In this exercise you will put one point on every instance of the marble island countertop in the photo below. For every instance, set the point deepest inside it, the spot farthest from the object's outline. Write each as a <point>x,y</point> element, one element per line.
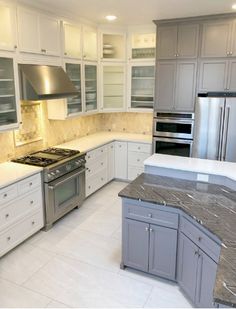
<point>12,172</point>
<point>212,206</point>
<point>95,140</point>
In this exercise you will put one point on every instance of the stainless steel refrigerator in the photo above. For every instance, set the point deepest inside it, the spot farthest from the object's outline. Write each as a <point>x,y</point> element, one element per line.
<point>215,127</point>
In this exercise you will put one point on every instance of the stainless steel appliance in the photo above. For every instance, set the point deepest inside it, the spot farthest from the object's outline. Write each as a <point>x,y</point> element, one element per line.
<point>215,133</point>
<point>64,180</point>
<point>173,133</point>
<point>44,82</point>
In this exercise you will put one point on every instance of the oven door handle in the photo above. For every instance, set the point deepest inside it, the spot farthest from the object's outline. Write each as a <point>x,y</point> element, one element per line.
<point>52,187</point>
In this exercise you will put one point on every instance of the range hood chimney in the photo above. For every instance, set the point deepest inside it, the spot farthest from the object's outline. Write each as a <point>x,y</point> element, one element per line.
<point>44,82</point>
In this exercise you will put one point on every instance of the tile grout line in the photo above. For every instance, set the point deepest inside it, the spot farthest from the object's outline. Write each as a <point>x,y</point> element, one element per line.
<point>148,297</point>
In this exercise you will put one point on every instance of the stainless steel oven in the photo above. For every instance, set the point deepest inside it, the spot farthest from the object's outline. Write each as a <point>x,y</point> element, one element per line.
<point>173,133</point>
<point>173,146</point>
<point>176,125</point>
<point>63,194</point>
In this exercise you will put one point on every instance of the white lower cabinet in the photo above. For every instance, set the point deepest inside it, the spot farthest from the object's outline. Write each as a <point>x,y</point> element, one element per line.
<point>137,153</point>
<point>111,161</point>
<point>121,151</point>
<point>21,212</point>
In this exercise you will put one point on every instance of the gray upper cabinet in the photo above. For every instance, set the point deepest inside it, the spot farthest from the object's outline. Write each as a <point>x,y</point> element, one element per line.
<point>165,85</point>
<point>163,243</point>
<point>216,39</point>
<point>213,75</point>
<point>206,281</point>
<point>175,85</point>
<point>167,42</point>
<point>231,85</point>
<point>178,41</point>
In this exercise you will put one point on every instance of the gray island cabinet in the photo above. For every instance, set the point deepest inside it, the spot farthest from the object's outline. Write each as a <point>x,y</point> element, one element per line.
<point>164,241</point>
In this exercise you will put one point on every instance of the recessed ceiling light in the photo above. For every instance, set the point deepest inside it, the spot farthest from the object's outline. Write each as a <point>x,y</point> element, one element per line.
<point>111,17</point>
<point>234,6</point>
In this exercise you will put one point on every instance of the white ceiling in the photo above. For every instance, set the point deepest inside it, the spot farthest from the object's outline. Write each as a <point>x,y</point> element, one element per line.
<point>133,12</point>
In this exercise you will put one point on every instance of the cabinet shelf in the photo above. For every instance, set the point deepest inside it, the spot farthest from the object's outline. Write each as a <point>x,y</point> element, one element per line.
<point>113,96</point>
<point>6,80</point>
<point>8,111</point>
<point>7,95</point>
<point>113,84</point>
<point>142,95</point>
<point>143,77</point>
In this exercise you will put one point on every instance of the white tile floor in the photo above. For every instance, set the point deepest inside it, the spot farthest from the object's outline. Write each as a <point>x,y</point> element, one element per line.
<point>76,264</point>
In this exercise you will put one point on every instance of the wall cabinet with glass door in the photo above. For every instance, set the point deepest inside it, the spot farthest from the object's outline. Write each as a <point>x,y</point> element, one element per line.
<point>113,87</point>
<point>90,87</point>
<point>70,107</point>
<point>7,28</point>
<point>90,43</point>
<point>72,40</point>
<point>142,46</point>
<point>9,108</point>
<point>113,46</point>
<point>142,84</point>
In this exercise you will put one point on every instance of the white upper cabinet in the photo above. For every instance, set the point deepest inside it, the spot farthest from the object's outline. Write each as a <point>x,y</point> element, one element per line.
<point>28,31</point>
<point>7,28</point>
<point>142,45</point>
<point>38,33</point>
<point>113,46</point>
<point>72,40</point>
<point>90,43</point>
<point>49,32</point>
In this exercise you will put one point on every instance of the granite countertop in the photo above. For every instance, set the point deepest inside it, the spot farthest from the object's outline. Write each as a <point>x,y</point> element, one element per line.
<point>212,206</point>
<point>12,172</point>
<point>205,166</point>
<point>96,140</point>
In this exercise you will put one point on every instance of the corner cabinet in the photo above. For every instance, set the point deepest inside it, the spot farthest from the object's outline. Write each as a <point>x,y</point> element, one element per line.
<point>113,46</point>
<point>113,80</point>
<point>90,87</point>
<point>141,85</point>
<point>176,85</point>
<point>9,97</point>
<point>142,45</point>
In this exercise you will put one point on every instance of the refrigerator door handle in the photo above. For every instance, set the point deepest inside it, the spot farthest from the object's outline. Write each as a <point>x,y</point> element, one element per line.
<point>220,134</point>
<point>226,134</point>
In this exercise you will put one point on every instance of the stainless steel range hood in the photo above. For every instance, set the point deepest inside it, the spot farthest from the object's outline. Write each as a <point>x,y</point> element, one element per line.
<point>44,82</point>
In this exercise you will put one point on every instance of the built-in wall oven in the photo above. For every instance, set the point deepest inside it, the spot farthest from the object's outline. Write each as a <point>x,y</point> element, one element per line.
<point>173,133</point>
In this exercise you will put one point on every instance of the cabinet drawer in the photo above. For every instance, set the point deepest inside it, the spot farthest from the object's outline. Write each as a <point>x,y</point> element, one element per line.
<point>134,172</point>
<point>20,231</point>
<point>149,215</point>
<point>8,193</point>
<point>97,181</point>
<point>137,158</point>
<point>140,147</point>
<point>99,163</point>
<point>19,208</point>
<point>202,240</point>
<point>29,184</point>
<point>93,154</point>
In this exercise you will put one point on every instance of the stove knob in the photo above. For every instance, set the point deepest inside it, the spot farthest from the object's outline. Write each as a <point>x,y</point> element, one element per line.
<point>57,172</point>
<point>77,162</point>
<point>49,176</point>
<point>53,174</point>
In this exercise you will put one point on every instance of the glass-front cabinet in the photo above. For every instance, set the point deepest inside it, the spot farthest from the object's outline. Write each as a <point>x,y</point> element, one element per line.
<point>113,86</point>
<point>7,27</point>
<point>90,43</point>
<point>74,104</point>
<point>142,78</point>
<point>143,45</point>
<point>72,40</point>
<point>90,81</point>
<point>113,46</point>
<point>8,97</point>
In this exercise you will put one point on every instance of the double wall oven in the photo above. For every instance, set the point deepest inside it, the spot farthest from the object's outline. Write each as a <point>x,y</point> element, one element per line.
<point>173,133</point>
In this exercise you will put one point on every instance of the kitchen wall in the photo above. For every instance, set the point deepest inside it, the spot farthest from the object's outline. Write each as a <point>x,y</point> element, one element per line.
<point>56,132</point>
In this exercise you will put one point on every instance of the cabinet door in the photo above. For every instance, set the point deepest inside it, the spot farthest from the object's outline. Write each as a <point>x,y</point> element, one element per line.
<point>167,42</point>
<point>213,75</point>
<point>72,41</point>
<point>216,39</point>
<point>49,29</point>
<point>185,86</point>
<point>90,79</point>
<point>135,244</point>
<point>28,27</point>
<point>187,266</point>
<point>90,43</point>
<point>188,41</point>
<point>162,256</point>
<point>231,85</point>
<point>7,28</point>
<point>121,158</point>
<point>165,85</point>
<point>206,281</point>
<point>111,161</point>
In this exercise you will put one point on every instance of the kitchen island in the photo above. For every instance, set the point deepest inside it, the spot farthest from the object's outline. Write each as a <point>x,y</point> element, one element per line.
<point>190,231</point>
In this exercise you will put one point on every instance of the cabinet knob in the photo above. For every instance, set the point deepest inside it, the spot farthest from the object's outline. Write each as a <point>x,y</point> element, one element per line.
<point>15,46</point>
<point>138,160</point>
<point>89,187</point>
<point>139,148</point>
<point>151,230</point>
<point>30,184</point>
<point>231,53</point>
<point>31,202</point>
<point>150,215</point>
<point>33,223</point>
<point>8,238</point>
<point>177,55</point>
<point>101,163</point>
<point>5,195</point>
<point>228,53</point>
<point>196,252</point>
<point>147,229</point>
<point>199,238</point>
<point>65,54</point>
<point>102,179</point>
<point>6,216</point>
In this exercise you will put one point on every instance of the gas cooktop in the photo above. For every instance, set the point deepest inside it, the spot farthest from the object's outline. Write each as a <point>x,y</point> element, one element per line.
<point>47,157</point>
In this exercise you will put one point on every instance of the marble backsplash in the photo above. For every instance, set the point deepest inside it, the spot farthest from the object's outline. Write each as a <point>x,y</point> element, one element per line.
<point>56,131</point>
